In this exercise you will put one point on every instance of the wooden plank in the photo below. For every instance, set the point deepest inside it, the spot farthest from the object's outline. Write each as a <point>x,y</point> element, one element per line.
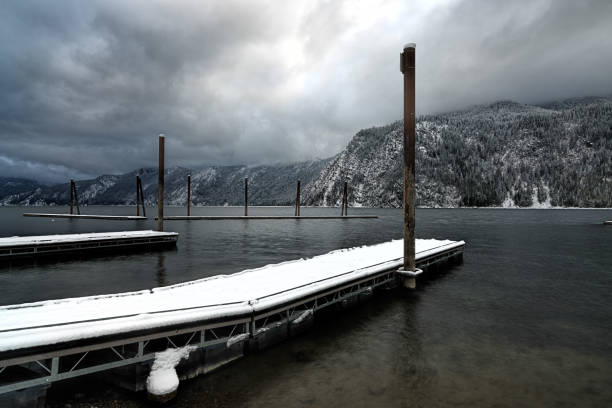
<point>87,216</point>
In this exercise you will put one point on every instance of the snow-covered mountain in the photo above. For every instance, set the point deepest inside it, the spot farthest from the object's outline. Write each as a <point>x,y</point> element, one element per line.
<point>501,154</point>
<point>222,185</point>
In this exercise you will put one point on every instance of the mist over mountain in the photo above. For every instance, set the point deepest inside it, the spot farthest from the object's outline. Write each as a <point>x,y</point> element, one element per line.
<point>502,154</point>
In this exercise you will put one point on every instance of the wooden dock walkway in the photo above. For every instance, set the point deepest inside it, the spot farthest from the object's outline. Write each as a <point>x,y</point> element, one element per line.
<point>216,317</point>
<point>41,245</point>
<point>87,216</point>
<point>265,217</point>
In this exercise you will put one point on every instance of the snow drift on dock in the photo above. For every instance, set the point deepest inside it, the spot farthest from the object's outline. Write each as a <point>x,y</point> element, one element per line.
<point>222,296</point>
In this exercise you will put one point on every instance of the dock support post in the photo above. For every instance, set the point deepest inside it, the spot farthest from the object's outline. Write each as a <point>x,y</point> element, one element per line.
<point>297,200</point>
<point>407,66</point>
<point>137,196</point>
<point>246,196</point>
<point>189,195</point>
<point>71,196</point>
<point>160,185</point>
<point>144,212</point>
<point>76,197</point>
<point>345,198</point>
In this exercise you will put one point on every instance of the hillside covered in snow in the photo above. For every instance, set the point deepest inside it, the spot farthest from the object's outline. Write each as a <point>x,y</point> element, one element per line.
<point>501,154</point>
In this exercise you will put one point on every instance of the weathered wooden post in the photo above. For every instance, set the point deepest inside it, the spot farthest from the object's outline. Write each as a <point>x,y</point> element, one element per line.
<point>343,201</point>
<point>246,196</point>
<point>297,200</point>
<point>407,66</point>
<point>144,213</point>
<point>71,196</point>
<point>160,185</point>
<point>137,196</point>
<point>76,197</point>
<point>345,198</point>
<point>189,195</point>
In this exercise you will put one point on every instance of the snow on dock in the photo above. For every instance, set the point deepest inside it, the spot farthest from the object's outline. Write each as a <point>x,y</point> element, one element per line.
<point>13,247</point>
<point>219,297</point>
<point>87,216</point>
<point>607,222</point>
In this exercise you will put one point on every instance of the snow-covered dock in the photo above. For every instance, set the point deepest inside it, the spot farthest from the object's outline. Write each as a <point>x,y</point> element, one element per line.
<point>607,222</point>
<point>40,245</point>
<point>66,338</point>
<point>265,217</point>
<point>87,216</point>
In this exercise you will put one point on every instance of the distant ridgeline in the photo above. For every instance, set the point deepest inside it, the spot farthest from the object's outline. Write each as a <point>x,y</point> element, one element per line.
<point>503,154</point>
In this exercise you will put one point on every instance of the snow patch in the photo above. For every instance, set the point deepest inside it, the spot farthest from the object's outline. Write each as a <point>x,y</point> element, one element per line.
<point>509,202</point>
<point>535,203</point>
<point>235,339</point>
<point>302,316</point>
<point>163,379</point>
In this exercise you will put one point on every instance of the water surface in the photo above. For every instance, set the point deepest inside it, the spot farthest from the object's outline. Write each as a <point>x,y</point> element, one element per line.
<point>525,321</point>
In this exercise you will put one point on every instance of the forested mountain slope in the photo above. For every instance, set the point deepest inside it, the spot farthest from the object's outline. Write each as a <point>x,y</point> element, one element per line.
<point>502,154</point>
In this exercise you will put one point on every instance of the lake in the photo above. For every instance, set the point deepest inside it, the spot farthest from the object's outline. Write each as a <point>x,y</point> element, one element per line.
<point>525,320</point>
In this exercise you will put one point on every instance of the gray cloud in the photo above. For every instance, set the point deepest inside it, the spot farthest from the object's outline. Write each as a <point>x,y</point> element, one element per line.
<point>86,86</point>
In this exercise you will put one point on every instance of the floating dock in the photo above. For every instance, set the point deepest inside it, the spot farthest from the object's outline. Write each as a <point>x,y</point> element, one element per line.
<point>41,245</point>
<point>265,217</point>
<point>607,222</point>
<point>217,318</point>
<point>87,216</point>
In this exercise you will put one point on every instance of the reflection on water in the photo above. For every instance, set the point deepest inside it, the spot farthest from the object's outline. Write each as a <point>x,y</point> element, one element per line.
<point>161,270</point>
<point>524,321</point>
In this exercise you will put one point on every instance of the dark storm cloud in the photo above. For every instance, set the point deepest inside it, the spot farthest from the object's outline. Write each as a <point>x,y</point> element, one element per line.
<point>86,86</point>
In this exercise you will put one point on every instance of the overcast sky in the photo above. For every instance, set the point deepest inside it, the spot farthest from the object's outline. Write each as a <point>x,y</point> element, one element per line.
<point>85,86</point>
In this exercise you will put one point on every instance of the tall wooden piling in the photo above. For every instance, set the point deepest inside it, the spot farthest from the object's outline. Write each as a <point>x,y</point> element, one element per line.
<point>73,193</point>
<point>345,198</point>
<point>160,185</point>
<point>189,195</point>
<point>297,200</point>
<point>407,66</point>
<point>71,196</point>
<point>137,196</point>
<point>246,196</point>
<point>142,200</point>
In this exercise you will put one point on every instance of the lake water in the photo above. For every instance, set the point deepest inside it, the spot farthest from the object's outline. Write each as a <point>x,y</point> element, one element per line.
<point>526,320</point>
